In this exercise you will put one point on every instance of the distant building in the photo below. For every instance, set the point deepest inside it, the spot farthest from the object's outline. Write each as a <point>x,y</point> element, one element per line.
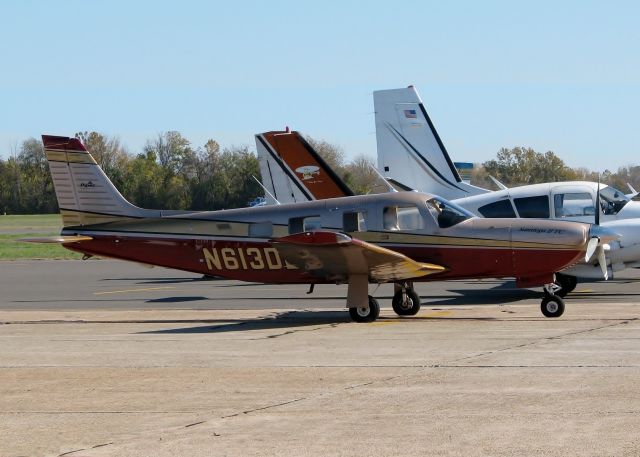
<point>464,169</point>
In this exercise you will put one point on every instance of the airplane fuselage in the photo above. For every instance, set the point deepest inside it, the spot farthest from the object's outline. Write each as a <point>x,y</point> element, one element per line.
<point>237,244</point>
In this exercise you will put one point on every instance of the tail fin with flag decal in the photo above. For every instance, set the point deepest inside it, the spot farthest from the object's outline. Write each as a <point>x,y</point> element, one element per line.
<point>410,149</point>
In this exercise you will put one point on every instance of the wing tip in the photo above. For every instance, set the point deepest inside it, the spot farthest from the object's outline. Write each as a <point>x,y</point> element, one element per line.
<point>56,239</point>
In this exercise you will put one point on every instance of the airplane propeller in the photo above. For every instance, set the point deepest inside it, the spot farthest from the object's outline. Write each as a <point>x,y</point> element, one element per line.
<point>598,208</point>
<point>597,245</point>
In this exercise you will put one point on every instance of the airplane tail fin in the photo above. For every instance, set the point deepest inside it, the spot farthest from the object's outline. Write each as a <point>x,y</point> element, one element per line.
<point>85,194</point>
<point>293,171</point>
<point>410,149</point>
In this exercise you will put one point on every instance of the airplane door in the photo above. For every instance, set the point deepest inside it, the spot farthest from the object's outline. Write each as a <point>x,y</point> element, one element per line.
<point>573,203</point>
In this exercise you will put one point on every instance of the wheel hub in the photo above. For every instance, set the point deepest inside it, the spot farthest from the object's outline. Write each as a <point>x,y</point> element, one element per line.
<point>552,307</point>
<point>407,303</point>
<point>363,312</point>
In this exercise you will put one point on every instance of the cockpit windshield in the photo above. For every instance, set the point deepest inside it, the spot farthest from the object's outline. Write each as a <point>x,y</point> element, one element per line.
<point>446,213</point>
<point>612,200</point>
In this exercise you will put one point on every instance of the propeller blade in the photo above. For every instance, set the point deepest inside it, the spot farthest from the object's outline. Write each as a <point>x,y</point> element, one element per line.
<point>602,260</point>
<point>598,208</point>
<point>591,248</point>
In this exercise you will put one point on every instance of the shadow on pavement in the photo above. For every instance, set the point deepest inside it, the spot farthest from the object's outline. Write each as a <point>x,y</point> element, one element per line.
<point>290,319</point>
<point>176,299</point>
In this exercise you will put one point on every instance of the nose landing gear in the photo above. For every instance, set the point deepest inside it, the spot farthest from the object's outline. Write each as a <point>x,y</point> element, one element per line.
<point>552,304</point>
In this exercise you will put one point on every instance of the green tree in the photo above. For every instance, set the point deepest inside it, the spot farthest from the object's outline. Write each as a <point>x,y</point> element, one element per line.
<point>519,166</point>
<point>177,167</point>
<point>36,186</point>
<point>362,178</point>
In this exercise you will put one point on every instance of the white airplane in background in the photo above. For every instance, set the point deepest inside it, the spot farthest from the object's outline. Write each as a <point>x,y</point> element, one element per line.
<point>292,171</point>
<point>411,152</point>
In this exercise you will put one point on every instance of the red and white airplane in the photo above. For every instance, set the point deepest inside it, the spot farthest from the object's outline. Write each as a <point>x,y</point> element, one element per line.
<point>401,238</point>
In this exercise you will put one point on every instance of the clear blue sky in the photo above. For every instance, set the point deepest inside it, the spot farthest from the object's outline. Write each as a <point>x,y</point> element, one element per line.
<point>563,76</point>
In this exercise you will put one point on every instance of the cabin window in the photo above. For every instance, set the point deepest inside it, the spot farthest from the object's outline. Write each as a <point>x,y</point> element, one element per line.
<point>501,208</point>
<point>446,213</point>
<point>261,230</point>
<point>402,218</point>
<point>612,200</point>
<point>354,221</point>
<point>573,204</point>
<point>304,224</point>
<point>533,207</point>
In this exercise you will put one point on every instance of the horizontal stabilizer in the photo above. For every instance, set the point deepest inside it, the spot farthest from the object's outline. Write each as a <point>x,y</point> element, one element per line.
<point>336,256</point>
<point>398,185</point>
<point>57,239</point>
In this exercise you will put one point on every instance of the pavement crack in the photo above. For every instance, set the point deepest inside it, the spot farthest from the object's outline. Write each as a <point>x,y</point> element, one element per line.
<point>195,423</point>
<point>537,341</point>
<point>291,332</point>
<point>72,452</point>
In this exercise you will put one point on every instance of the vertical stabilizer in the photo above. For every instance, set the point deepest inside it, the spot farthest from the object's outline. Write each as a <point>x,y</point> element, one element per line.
<point>85,194</point>
<point>410,149</point>
<point>293,171</point>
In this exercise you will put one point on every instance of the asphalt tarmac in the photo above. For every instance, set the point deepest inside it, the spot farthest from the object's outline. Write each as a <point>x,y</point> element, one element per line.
<point>111,284</point>
<point>106,358</point>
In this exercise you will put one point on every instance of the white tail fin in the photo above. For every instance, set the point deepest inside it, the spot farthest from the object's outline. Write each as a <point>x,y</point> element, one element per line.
<point>85,194</point>
<point>410,149</point>
<point>293,171</point>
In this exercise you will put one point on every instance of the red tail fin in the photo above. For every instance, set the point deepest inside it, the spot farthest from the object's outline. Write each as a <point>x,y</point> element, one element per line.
<point>302,165</point>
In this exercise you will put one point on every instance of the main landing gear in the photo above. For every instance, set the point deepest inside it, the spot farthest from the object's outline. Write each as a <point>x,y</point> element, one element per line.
<point>406,302</point>
<point>365,308</point>
<point>366,314</point>
<point>552,304</point>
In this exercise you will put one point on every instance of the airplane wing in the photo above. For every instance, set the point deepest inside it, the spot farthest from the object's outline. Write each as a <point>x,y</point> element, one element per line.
<point>57,239</point>
<point>335,256</point>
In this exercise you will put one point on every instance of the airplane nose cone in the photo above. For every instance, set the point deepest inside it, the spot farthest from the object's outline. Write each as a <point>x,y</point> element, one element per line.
<point>604,234</point>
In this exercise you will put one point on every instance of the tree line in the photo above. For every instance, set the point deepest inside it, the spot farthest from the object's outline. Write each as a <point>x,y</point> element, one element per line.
<point>171,173</point>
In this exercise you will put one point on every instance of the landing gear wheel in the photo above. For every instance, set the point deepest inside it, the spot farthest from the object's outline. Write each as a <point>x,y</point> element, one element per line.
<point>552,306</point>
<point>567,284</point>
<point>369,314</point>
<point>409,305</point>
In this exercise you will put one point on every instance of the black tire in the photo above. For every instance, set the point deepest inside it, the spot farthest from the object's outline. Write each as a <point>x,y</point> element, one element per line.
<point>369,314</point>
<point>552,306</point>
<point>410,308</point>
<point>567,283</point>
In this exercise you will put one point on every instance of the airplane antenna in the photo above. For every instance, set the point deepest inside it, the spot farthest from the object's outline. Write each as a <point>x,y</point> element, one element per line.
<point>498,183</point>
<point>384,180</point>
<point>266,190</point>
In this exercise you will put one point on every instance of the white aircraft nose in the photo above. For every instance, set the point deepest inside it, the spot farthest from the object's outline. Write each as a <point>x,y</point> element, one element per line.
<point>630,210</point>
